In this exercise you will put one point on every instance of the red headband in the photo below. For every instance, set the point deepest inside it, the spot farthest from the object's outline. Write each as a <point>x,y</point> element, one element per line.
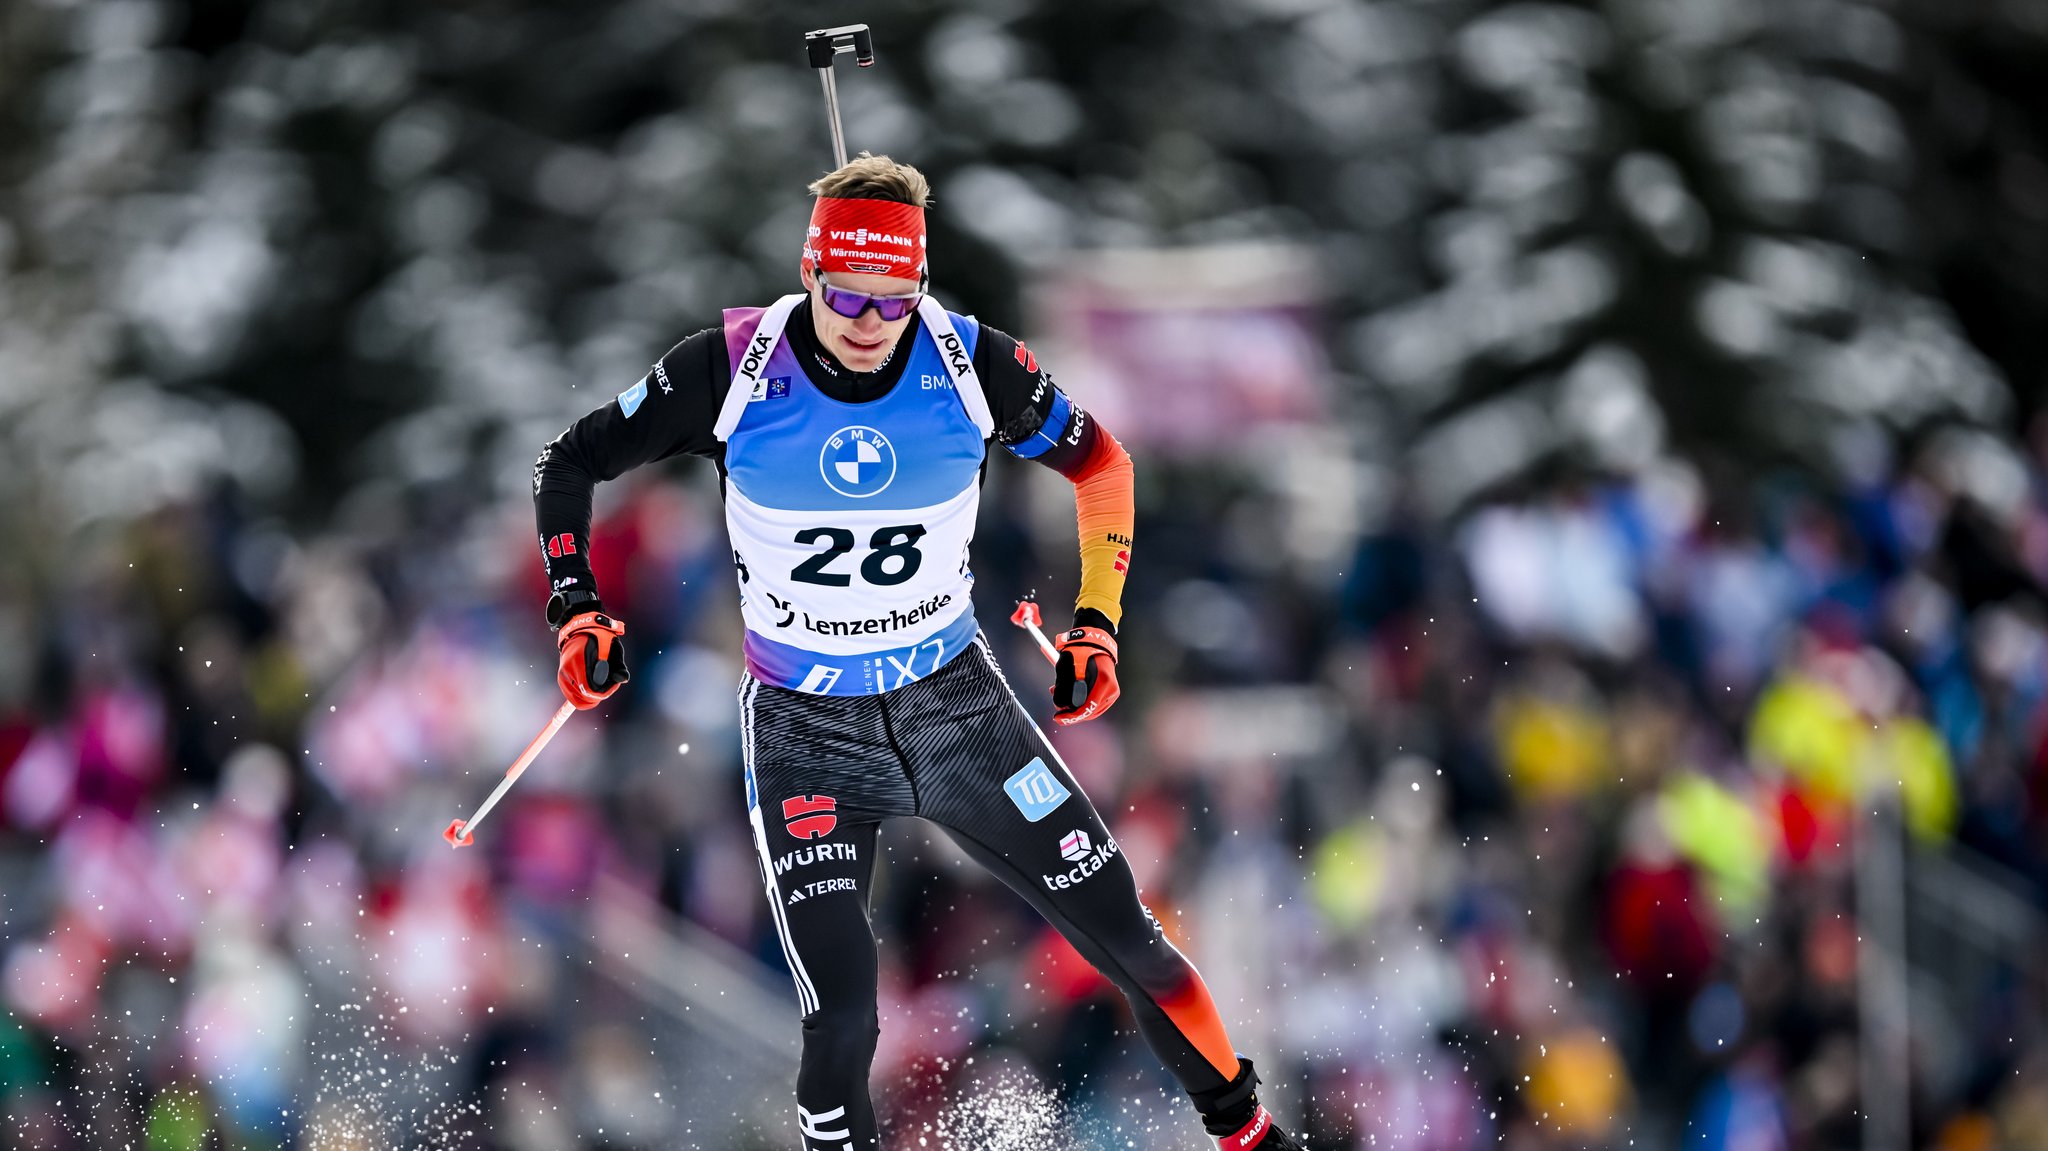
<point>869,237</point>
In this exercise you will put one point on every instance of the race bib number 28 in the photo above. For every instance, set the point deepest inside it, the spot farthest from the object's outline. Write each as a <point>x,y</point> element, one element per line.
<point>892,556</point>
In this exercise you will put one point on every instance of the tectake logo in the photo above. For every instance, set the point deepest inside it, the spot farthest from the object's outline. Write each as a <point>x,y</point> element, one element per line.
<point>857,462</point>
<point>1086,858</point>
<point>810,816</point>
<point>1075,846</point>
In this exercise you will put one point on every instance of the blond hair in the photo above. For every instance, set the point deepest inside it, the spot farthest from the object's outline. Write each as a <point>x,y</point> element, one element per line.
<point>871,177</point>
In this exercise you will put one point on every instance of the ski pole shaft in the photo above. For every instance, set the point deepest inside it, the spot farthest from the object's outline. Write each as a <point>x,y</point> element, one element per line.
<point>461,832</point>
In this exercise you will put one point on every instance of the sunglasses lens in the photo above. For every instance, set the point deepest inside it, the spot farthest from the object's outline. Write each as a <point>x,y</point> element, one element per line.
<point>852,304</point>
<point>848,304</point>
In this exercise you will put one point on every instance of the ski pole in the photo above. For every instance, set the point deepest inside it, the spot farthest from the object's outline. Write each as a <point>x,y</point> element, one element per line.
<point>824,46</point>
<point>462,833</point>
<point>1027,617</point>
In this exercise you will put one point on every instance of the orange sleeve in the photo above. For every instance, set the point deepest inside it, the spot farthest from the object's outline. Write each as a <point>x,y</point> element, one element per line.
<point>1106,510</point>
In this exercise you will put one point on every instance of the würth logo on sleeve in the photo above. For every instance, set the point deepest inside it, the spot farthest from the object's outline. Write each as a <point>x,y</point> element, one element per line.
<point>810,816</point>
<point>1024,357</point>
<point>1123,560</point>
<point>561,545</point>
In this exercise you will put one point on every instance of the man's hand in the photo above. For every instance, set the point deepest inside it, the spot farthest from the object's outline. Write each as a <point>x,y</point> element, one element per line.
<point>1084,679</point>
<point>593,659</point>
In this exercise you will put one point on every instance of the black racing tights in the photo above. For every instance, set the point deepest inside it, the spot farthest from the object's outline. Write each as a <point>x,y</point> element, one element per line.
<point>957,749</point>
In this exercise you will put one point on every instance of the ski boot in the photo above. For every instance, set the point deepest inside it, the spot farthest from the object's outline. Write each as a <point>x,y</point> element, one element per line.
<point>1233,1114</point>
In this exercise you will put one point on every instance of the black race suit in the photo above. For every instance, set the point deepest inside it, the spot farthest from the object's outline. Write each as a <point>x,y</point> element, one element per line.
<point>954,748</point>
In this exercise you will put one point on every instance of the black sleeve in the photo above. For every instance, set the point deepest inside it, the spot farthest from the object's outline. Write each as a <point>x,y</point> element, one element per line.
<point>1033,418</point>
<point>670,412</point>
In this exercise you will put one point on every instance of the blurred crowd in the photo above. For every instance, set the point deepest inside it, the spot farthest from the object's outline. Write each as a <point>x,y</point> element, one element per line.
<point>1538,828</point>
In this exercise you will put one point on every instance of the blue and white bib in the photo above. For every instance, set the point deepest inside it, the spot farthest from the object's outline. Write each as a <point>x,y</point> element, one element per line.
<point>850,522</point>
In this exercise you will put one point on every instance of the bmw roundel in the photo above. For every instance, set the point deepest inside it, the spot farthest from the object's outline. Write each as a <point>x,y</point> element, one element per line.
<point>858,461</point>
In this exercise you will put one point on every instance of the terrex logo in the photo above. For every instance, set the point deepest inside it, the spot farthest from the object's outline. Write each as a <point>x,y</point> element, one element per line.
<point>812,1124</point>
<point>1086,858</point>
<point>810,816</point>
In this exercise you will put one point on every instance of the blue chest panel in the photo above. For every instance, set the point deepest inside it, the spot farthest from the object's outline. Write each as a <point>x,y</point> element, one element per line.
<point>797,449</point>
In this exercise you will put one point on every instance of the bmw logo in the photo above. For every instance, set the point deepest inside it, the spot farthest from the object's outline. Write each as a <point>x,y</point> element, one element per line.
<point>857,461</point>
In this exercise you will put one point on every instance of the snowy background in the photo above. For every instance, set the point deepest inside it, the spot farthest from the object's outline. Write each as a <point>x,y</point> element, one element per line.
<point>1587,651</point>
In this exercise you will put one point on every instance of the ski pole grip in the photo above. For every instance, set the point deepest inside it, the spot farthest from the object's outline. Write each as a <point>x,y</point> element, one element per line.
<point>826,43</point>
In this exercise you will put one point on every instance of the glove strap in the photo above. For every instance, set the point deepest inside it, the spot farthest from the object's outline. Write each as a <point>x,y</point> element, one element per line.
<point>1088,637</point>
<point>588,622</point>
<point>564,605</point>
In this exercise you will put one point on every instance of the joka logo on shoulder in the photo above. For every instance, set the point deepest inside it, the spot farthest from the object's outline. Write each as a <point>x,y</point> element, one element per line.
<point>810,816</point>
<point>857,461</point>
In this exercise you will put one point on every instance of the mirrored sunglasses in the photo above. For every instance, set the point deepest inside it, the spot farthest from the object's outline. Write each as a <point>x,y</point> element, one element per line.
<point>852,304</point>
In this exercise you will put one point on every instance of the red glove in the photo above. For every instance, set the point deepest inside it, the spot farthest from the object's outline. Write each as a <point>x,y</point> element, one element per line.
<point>1084,679</point>
<point>593,659</point>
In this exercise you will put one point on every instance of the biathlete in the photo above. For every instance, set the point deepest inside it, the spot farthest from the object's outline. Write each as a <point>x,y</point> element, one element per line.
<point>850,425</point>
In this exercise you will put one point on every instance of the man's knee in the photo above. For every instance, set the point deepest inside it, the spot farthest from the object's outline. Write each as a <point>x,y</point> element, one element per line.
<point>843,1038</point>
<point>1134,954</point>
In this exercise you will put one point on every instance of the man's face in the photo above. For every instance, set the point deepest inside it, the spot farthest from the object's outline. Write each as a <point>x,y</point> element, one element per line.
<point>864,342</point>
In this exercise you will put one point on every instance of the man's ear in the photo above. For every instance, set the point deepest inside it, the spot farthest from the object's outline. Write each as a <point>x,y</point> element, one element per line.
<point>810,282</point>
